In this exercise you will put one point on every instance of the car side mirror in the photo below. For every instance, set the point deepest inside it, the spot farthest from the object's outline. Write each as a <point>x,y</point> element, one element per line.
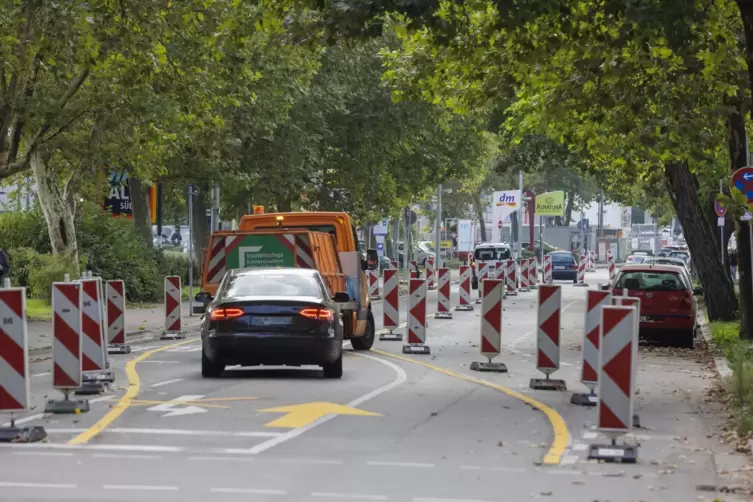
<point>697,291</point>
<point>341,297</point>
<point>372,259</point>
<point>203,297</point>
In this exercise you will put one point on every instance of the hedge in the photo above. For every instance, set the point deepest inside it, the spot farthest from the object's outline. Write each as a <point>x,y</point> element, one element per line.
<point>109,247</point>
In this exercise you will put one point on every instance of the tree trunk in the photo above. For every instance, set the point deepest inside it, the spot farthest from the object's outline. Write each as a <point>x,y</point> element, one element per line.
<point>140,207</point>
<point>479,209</point>
<point>719,292</point>
<point>737,156</point>
<point>59,208</point>
<point>569,205</point>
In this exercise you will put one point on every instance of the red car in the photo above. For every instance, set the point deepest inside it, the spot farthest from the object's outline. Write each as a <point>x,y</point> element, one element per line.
<point>668,305</point>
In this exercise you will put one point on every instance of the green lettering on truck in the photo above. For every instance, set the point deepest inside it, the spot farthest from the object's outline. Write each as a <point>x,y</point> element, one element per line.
<point>262,251</point>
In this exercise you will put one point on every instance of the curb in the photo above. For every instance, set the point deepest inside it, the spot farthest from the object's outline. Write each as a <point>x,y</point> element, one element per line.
<point>721,365</point>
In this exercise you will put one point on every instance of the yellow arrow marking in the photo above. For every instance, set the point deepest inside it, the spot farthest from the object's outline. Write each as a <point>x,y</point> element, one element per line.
<point>300,415</point>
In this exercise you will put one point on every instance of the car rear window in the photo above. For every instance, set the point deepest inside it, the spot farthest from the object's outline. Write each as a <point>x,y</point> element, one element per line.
<point>488,254</point>
<point>565,258</point>
<point>680,255</point>
<point>651,281</point>
<point>272,284</point>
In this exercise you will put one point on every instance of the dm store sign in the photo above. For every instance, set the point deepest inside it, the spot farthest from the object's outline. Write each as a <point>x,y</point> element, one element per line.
<point>505,203</point>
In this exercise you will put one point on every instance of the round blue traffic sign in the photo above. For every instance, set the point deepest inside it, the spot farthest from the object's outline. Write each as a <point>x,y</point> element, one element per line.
<point>719,208</point>
<point>742,182</point>
<point>380,246</point>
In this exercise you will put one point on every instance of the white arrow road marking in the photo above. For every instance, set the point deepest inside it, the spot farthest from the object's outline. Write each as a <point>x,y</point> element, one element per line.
<point>177,409</point>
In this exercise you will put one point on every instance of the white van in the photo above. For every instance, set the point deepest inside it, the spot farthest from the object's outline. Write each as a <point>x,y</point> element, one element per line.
<point>489,253</point>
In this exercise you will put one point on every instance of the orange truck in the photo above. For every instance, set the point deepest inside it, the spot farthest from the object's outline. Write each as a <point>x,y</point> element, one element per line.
<point>344,269</point>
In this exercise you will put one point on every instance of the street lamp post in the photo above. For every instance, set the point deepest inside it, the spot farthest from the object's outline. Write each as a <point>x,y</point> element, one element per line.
<point>192,190</point>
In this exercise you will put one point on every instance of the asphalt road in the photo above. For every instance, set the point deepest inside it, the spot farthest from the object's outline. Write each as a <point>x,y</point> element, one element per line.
<point>395,428</point>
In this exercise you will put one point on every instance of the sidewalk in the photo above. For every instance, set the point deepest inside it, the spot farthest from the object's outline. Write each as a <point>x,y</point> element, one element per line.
<point>141,325</point>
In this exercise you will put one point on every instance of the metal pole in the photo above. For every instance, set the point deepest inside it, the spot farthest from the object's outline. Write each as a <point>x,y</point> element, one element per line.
<point>190,249</point>
<point>582,233</point>
<point>541,237</point>
<point>520,217</point>
<point>438,227</point>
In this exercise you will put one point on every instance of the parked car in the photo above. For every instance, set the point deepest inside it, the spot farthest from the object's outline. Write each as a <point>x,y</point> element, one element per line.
<point>489,253</point>
<point>668,306</point>
<point>564,266</point>
<point>668,260</point>
<point>637,257</point>
<point>683,255</point>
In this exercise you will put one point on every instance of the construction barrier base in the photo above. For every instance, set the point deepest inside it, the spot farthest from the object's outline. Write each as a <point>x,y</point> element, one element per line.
<point>391,337</point>
<point>172,336</point>
<point>377,297</point>
<point>637,422</point>
<point>533,287</point>
<point>465,308</point>
<point>548,384</point>
<point>67,406</point>
<point>584,399</point>
<point>581,285</point>
<point>489,367</point>
<point>22,435</point>
<point>443,315</point>
<point>620,453</point>
<point>478,301</point>
<point>416,349</point>
<point>512,293</point>
<point>119,349</point>
<point>90,388</point>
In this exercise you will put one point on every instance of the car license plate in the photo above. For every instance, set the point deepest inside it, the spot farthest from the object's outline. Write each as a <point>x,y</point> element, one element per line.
<point>271,321</point>
<point>560,268</point>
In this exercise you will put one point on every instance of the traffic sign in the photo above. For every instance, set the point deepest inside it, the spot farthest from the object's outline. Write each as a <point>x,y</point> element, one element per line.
<point>742,182</point>
<point>719,208</point>
<point>380,246</point>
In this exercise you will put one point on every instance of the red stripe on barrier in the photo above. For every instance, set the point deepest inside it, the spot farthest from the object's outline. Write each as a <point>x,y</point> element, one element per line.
<point>70,291</point>
<point>61,378</point>
<point>608,420</point>
<point>65,335</point>
<point>12,353</point>
<point>7,402</point>
<point>15,303</point>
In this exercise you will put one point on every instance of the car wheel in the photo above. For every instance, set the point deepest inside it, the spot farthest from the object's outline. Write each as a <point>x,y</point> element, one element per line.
<point>688,340</point>
<point>367,340</point>
<point>575,281</point>
<point>334,370</point>
<point>210,369</point>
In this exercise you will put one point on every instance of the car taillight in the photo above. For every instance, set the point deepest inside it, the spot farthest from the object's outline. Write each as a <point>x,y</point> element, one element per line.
<point>318,314</point>
<point>225,314</point>
<point>574,265</point>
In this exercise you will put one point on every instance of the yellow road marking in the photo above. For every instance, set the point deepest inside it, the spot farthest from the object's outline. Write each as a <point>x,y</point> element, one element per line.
<point>134,385</point>
<point>141,402</point>
<point>300,415</point>
<point>559,428</point>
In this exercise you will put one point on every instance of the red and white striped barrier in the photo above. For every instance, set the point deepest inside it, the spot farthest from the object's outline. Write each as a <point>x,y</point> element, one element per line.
<point>14,351</point>
<point>173,310</point>
<point>217,260</point>
<point>391,305</point>
<point>548,337</point>
<point>417,318</point>
<point>444,305</point>
<point>617,365</point>
<point>591,261</point>
<point>611,265</point>
<point>512,278</point>
<point>524,281</point>
<point>581,271</point>
<point>501,274</point>
<point>482,272</point>
<point>393,264</point>
<point>491,326</point>
<point>413,269</point>
<point>547,275</point>
<point>373,285</point>
<point>589,376</point>
<point>93,345</point>
<point>431,281</point>
<point>465,289</point>
<point>116,335</point>
<point>533,273</point>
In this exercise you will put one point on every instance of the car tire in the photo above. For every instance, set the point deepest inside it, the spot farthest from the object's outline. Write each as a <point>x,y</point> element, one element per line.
<point>210,369</point>
<point>575,281</point>
<point>335,369</point>
<point>688,340</point>
<point>367,340</point>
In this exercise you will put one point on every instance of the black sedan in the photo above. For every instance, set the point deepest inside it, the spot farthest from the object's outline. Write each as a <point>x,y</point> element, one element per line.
<point>564,266</point>
<point>271,317</point>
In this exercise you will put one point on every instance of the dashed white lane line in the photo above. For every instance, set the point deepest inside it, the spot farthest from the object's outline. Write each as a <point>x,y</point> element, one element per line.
<point>349,496</point>
<point>43,453</point>
<point>380,463</point>
<point>209,458</point>
<point>143,488</point>
<point>168,382</point>
<point>54,486</point>
<point>317,461</point>
<point>400,378</point>
<point>496,469</point>
<point>248,491</point>
<point>126,456</point>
